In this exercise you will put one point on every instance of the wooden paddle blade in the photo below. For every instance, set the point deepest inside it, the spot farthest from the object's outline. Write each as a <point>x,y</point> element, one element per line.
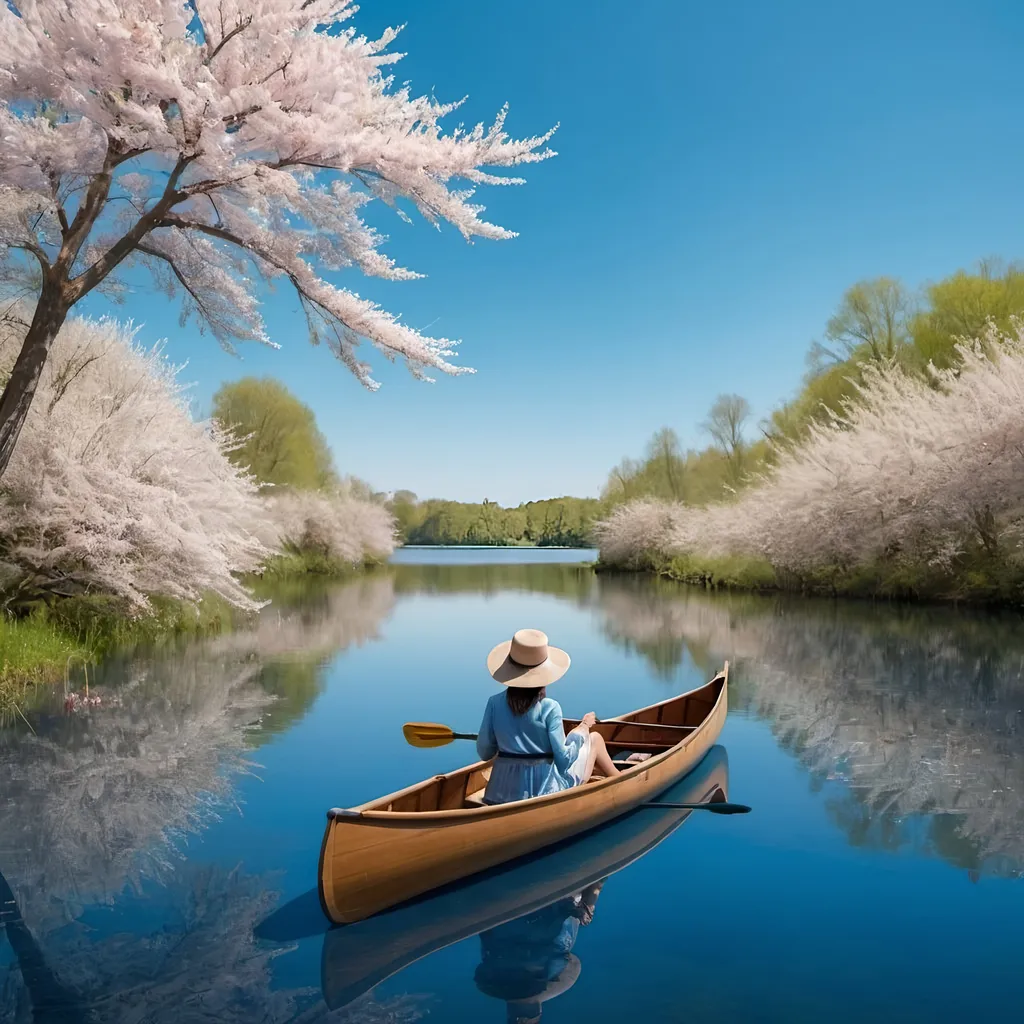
<point>427,734</point>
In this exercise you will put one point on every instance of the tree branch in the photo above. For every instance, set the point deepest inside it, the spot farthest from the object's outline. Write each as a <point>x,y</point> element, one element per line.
<point>149,251</point>
<point>37,251</point>
<point>54,179</point>
<point>92,276</point>
<point>240,27</point>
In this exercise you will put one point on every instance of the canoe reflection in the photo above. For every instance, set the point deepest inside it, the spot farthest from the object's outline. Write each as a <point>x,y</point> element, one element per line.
<point>527,912</point>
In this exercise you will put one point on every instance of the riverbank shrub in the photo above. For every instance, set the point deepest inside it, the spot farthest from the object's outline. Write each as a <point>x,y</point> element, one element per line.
<point>113,488</point>
<point>915,488</point>
<point>325,532</point>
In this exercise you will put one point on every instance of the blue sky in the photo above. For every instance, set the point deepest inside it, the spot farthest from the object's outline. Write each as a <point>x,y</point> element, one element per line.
<point>725,171</point>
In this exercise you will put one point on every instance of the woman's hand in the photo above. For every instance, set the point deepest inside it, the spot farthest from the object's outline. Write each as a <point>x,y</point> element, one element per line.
<point>589,720</point>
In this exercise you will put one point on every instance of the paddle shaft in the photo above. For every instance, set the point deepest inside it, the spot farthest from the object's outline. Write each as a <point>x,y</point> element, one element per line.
<point>625,744</point>
<point>716,807</point>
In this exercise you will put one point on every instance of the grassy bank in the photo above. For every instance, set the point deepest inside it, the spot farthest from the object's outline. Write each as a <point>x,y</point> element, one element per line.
<point>304,562</point>
<point>979,580</point>
<point>43,645</point>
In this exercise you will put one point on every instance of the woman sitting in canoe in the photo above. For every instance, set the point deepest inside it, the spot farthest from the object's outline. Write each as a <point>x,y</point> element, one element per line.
<point>523,726</point>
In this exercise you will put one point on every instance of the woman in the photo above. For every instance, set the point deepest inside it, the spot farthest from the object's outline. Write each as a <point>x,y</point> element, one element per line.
<point>523,725</point>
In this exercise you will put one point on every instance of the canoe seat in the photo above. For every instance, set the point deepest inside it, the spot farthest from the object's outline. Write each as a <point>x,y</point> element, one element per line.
<point>475,799</point>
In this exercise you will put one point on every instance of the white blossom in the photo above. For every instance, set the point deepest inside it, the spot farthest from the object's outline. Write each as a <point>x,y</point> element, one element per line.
<point>914,470</point>
<point>226,141</point>
<point>114,488</point>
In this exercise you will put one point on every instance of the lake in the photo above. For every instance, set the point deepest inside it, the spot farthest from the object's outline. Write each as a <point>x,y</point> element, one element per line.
<point>159,848</point>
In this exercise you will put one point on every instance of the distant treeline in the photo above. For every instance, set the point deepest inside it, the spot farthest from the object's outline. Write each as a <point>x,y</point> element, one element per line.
<point>555,522</point>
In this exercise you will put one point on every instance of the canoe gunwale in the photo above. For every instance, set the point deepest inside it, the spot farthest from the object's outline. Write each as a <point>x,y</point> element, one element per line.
<point>370,813</point>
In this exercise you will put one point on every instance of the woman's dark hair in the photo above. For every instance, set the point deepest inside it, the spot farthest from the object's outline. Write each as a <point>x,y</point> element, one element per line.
<point>522,698</point>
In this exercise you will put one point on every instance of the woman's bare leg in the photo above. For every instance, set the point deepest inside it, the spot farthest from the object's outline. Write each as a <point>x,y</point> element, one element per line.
<point>599,756</point>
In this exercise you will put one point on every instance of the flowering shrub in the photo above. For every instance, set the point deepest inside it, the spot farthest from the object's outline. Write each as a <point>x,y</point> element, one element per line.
<point>113,487</point>
<point>335,527</point>
<point>924,473</point>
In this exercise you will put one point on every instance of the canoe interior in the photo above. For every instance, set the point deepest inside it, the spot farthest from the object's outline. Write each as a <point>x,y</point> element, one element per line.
<point>651,730</point>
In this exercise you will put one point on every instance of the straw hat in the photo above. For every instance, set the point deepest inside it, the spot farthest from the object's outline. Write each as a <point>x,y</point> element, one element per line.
<point>523,992</point>
<point>527,660</point>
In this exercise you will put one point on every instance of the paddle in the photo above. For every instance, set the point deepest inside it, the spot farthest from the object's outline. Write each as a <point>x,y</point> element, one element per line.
<point>719,807</point>
<point>430,734</point>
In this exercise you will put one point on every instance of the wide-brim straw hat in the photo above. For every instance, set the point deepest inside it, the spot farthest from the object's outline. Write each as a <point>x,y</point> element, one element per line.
<point>524,1000</point>
<point>527,660</point>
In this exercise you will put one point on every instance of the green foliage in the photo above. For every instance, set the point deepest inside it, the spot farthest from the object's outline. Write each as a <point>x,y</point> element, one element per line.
<point>555,522</point>
<point>300,561</point>
<point>282,444</point>
<point>39,647</point>
<point>692,477</point>
<point>31,651</point>
<point>871,321</point>
<point>959,306</point>
<point>725,424</point>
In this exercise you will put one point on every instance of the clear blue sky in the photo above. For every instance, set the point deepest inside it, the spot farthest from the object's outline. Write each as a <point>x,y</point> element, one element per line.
<point>725,171</point>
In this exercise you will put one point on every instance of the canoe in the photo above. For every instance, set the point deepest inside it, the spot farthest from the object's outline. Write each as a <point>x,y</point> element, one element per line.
<point>407,843</point>
<point>357,957</point>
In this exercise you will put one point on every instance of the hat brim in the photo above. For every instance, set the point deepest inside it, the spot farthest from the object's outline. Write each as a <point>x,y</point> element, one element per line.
<point>511,673</point>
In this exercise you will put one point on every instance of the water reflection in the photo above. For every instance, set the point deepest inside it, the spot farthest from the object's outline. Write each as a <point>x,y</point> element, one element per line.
<point>918,710</point>
<point>908,722</point>
<point>530,960</point>
<point>98,806</point>
<point>526,913</point>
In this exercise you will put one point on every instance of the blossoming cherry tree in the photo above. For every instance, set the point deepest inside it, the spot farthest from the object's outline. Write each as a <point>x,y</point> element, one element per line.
<point>220,143</point>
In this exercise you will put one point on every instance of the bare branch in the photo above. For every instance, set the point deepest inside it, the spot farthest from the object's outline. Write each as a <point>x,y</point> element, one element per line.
<point>29,246</point>
<point>156,253</point>
<point>242,25</point>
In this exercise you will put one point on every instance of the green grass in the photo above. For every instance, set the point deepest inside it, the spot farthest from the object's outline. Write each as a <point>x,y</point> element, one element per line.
<point>296,562</point>
<point>31,651</point>
<point>41,646</point>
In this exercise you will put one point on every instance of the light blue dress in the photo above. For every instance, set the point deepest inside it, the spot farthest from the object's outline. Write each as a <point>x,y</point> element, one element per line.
<point>561,759</point>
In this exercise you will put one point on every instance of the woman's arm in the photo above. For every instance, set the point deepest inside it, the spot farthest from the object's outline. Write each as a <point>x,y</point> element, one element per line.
<point>486,741</point>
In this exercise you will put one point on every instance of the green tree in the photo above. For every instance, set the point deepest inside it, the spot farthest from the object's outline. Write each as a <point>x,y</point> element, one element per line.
<point>279,440</point>
<point>871,320</point>
<point>960,306</point>
<point>403,506</point>
<point>725,424</point>
<point>665,457</point>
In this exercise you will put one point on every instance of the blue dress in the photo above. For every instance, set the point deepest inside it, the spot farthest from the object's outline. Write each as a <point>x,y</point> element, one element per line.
<point>560,760</point>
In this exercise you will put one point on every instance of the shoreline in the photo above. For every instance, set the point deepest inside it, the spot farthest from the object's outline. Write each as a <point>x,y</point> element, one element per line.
<point>752,577</point>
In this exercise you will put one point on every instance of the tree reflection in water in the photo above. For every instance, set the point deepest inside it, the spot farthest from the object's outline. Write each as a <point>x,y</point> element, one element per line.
<point>918,710</point>
<point>93,803</point>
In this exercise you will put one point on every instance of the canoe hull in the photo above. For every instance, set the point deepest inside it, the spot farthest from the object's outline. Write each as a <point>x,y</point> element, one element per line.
<point>357,957</point>
<point>372,859</point>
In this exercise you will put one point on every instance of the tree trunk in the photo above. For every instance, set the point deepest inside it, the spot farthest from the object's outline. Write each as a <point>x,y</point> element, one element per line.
<point>50,314</point>
<point>52,1001</point>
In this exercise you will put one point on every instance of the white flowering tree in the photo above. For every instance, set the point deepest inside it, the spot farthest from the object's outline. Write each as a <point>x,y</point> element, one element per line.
<point>220,143</point>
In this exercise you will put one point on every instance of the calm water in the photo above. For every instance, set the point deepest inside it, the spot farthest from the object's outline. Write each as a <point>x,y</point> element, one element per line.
<point>161,847</point>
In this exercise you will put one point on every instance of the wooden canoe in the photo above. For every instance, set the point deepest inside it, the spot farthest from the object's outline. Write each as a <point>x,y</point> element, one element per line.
<point>357,957</point>
<point>438,831</point>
